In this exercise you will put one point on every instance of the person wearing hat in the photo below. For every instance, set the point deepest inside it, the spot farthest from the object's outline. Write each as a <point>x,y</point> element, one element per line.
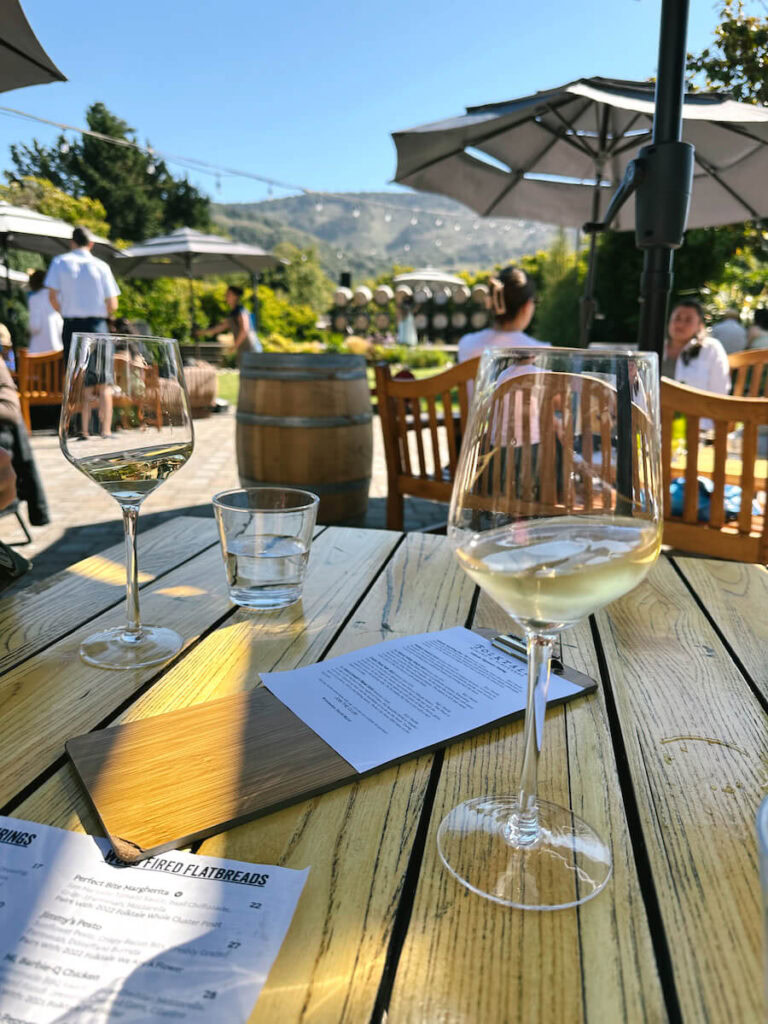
<point>83,289</point>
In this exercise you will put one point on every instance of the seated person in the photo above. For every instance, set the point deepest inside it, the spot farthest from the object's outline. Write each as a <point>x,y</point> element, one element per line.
<point>513,300</point>
<point>758,332</point>
<point>15,445</point>
<point>691,355</point>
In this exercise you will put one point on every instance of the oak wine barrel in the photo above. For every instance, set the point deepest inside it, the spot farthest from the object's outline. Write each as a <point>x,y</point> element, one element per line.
<point>305,421</point>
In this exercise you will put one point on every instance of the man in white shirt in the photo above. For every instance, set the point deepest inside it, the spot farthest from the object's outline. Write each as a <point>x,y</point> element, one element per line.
<point>83,289</point>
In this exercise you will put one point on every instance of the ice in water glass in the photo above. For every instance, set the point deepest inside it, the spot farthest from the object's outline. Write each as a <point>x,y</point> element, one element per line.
<point>555,512</point>
<point>265,534</point>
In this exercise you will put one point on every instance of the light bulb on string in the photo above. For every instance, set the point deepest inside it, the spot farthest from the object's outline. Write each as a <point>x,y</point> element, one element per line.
<point>438,223</point>
<point>414,221</point>
<point>476,225</point>
<point>151,168</point>
<point>387,217</point>
<point>356,212</point>
<point>318,206</point>
<point>339,255</point>
<point>457,227</point>
<point>406,248</point>
<point>64,147</point>
<point>218,183</point>
<point>438,243</point>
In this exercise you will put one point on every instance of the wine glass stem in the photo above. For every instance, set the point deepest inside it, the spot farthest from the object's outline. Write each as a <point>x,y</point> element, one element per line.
<point>133,624</point>
<point>522,829</point>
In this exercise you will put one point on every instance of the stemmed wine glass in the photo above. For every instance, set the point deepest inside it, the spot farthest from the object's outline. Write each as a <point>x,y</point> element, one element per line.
<point>132,390</point>
<point>556,512</point>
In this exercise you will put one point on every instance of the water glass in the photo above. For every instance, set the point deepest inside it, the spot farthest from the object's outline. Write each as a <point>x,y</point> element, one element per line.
<point>762,850</point>
<point>265,534</point>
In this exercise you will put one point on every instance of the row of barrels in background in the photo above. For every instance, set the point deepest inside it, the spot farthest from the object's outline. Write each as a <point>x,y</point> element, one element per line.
<point>439,312</point>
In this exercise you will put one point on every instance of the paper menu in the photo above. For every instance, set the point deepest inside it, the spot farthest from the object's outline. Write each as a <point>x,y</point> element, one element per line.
<point>383,702</point>
<point>177,937</point>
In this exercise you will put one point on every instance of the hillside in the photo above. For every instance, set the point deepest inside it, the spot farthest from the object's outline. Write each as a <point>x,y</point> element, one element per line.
<point>353,232</point>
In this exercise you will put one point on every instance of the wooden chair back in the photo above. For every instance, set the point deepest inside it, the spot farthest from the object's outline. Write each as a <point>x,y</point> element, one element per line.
<point>744,539</point>
<point>422,444</point>
<point>749,371</point>
<point>41,381</point>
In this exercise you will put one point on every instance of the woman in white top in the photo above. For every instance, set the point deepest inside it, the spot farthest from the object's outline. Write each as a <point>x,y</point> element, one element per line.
<point>45,323</point>
<point>513,303</point>
<point>691,356</point>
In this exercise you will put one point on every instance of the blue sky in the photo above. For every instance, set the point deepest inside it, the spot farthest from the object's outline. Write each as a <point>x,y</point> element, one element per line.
<point>308,91</point>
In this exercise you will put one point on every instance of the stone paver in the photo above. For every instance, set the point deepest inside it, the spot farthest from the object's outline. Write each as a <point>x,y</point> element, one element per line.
<point>85,520</point>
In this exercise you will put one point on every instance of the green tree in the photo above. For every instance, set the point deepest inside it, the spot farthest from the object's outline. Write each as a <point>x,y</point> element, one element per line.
<point>44,197</point>
<point>738,57</point>
<point>139,195</point>
<point>302,278</point>
<point>557,309</point>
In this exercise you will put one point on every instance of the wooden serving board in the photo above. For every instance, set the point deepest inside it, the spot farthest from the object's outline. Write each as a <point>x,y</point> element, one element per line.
<point>163,782</point>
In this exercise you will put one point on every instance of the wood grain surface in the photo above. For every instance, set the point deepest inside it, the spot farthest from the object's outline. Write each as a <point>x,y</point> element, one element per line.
<point>736,597</point>
<point>229,660</point>
<point>697,747</point>
<point>358,839</point>
<point>45,611</point>
<point>467,959</point>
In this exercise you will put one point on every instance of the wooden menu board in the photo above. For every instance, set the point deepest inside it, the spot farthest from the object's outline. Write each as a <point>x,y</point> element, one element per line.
<point>163,782</point>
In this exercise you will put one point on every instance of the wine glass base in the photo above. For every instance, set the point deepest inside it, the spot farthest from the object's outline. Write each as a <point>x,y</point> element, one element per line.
<point>114,648</point>
<point>568,865</point>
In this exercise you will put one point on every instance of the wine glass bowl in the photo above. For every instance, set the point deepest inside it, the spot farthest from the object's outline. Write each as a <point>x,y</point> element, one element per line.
<point>126,424</point>
<point>556,512</point>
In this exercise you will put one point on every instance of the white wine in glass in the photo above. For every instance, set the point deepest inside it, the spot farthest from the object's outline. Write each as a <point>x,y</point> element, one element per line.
<point>556,512</point>
<point>126,424</point>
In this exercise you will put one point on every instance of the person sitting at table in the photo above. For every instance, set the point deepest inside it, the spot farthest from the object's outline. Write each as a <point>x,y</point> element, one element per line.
<point>691,355</point>
<point>45,322</point>
<point>23,482</point>
<point>513,301</point>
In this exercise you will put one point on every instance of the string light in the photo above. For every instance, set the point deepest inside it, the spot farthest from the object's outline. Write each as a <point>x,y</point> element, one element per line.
<point>216,171</point>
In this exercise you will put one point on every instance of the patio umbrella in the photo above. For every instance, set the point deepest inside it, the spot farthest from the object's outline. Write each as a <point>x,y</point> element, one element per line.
<point>31,231</point>
<point>23,60</point>
<point>188,253</point>
<point>554,155</point>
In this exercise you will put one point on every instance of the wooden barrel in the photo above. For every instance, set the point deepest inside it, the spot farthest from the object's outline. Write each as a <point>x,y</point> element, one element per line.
<point>305,421</point>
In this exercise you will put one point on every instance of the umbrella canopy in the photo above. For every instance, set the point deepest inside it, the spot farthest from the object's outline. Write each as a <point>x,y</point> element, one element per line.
<point>21,228</point>
<point>547,156</point>
<point>23,61</point>
<point>17,276</point>
<point>188,253</point>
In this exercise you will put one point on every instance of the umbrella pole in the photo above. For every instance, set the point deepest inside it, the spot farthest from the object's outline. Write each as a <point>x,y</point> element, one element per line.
<point>656,280</point>
<point>587,304</point>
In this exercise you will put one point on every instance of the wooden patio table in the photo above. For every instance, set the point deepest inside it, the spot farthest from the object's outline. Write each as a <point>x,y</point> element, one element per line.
<point>667,759</point>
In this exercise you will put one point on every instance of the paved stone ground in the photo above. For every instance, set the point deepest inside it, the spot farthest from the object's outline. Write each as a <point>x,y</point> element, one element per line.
<point>83,519</point>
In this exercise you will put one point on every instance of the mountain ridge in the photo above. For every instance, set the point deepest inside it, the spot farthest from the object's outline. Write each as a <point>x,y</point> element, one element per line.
<point>367,232</point>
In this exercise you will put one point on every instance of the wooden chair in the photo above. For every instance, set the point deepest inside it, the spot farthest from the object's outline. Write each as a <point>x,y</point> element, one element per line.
<point>744,539</point>
<point>422,448</point>
<point>750,373</point>
<point>41,381</point>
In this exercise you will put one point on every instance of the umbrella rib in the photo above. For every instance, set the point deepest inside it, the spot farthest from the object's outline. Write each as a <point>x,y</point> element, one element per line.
<point>706,166</point>
<point>576,142</point>
<point>519,174</point>
<point>618,150</point>
<point>475,143</point>
<point>614,148</point>
<point>32,60</point>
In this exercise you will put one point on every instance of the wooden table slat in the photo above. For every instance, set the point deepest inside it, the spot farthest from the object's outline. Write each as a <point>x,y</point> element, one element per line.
<point>592,963</point>
<point>357,839</point>
<point>42,613</point>
<point>696,741</point>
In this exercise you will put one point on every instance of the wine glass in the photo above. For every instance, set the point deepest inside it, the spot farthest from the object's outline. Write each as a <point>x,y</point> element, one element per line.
<point>132,391</point>
<point>555,512</point>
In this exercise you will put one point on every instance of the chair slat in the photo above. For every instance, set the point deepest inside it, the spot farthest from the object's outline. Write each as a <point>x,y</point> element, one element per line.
<point>402,435</point>
<point>717,500</point>
<point>748,456</point>
<point>691,498</point>
<point>448,416</point>
<point>433,433</point>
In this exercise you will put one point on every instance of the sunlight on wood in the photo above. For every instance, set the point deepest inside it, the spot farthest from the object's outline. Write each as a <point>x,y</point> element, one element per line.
<point>99,568</point>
